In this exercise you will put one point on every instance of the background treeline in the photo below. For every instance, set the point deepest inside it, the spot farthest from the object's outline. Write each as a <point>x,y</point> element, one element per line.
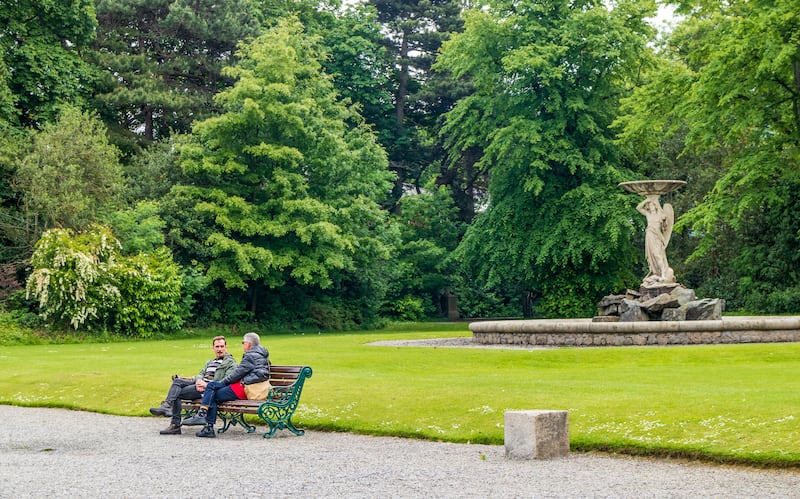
<point>317,165</point>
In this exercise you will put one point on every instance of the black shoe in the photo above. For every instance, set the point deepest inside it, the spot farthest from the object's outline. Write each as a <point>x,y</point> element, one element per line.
<point>196,420</point>
<point>207,431</point>
<point>165,409</point>
<point>173,429</point>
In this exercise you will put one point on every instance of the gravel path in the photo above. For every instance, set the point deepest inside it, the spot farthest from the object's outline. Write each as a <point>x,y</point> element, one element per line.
<point>59,453</point>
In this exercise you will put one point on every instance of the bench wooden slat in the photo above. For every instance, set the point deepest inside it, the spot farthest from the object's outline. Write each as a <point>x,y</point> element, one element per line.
<point>286,369</point>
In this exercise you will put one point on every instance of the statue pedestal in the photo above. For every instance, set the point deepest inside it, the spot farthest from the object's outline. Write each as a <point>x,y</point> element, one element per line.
<point>663,302</point>
<point>646,292</point>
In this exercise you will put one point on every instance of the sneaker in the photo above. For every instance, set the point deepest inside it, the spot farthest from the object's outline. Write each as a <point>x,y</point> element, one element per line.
<point>165,409</point>
<point>207,431</point>
<point>172,429</point>
<point>196,420</point>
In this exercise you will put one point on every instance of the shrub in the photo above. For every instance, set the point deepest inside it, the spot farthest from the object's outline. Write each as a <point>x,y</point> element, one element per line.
<point>80,280</point>
<point>150,294</point>
<point>407,308</point>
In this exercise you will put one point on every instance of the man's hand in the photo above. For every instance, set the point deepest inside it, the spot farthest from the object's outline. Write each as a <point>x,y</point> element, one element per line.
<point>200,385</point>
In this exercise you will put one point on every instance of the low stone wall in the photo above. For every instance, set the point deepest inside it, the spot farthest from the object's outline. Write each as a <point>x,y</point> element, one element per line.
<point>584,332</point>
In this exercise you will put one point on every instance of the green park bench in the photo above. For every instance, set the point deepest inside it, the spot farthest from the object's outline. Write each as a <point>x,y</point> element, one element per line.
<point>276,411</point>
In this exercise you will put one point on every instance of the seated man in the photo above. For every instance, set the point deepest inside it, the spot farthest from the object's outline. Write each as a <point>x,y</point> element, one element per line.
<point>252,370</point>
<point>217,368</point>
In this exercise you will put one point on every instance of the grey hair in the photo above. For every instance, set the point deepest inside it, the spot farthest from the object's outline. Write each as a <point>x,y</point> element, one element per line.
<point>252,338</point>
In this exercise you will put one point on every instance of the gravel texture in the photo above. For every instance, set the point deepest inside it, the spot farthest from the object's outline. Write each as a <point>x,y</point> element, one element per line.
<point>60,453</point>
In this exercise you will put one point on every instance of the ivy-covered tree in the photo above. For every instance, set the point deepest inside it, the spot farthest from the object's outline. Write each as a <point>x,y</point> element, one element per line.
<point>547,76</point>
<point>283,187</point>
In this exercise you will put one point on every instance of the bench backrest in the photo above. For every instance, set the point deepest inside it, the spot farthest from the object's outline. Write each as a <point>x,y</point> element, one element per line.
<point>286,375</point>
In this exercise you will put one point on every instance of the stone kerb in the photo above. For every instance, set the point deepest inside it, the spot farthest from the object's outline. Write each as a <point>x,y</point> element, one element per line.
<point>536,434</point>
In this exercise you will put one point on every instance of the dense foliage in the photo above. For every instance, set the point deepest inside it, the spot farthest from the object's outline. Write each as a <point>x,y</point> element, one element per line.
<point>547,78</point>
<point>287,179</point>
<point>328,165</point>
<point>41,63</point>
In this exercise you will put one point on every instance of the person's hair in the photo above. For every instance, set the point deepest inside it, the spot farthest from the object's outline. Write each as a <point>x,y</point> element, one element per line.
<point>252,338</point>
<point>217,338</point>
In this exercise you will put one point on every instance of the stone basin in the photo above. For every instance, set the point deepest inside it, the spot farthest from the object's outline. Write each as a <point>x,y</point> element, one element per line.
<point>585,332</point>
<point>652,187</point>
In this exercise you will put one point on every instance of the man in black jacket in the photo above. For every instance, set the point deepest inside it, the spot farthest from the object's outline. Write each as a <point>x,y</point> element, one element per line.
<point>254,368</point>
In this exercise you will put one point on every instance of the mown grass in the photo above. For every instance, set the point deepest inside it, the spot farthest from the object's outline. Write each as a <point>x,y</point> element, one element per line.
<point>731,403</point>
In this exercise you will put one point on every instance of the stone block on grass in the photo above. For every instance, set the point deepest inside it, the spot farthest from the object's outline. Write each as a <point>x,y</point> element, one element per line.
<point>536,434</point>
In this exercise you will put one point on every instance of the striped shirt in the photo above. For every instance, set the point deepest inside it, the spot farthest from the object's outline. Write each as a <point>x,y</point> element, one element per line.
<point>211,368</point>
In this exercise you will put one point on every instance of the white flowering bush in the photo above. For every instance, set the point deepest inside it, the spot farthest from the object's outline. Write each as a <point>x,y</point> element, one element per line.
<point>81,280</point>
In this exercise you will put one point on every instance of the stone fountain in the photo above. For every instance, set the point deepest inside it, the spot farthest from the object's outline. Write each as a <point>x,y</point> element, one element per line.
<point>661,312</point>
<point>659,297</point>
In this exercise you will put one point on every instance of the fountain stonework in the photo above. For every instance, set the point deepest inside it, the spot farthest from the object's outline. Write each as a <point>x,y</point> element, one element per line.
<point>661,312</point>
<point>660,297</point>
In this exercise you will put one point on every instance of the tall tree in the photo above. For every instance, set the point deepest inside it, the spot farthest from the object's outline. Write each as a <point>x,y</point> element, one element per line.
<point>548,75</point>
<point>283,186</point>
<point>41,46</point>
<point>360,64</point>
<point>162,59</point>
<point>414,30</point>
<point>70,177</point>
<point>731,89</point>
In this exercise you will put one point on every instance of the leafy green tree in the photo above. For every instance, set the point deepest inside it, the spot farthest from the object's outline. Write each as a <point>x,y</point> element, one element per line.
<point>356,56</point>
<point>548,75</point>
<point>71,176</point>
<point>41,47</point>
<point>360,65</point>
<point>730,90</point>
<point>283,188</point>
<point>163,58</point>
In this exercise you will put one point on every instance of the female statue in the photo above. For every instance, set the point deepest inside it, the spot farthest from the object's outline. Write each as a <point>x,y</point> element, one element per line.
<point>659,229</point>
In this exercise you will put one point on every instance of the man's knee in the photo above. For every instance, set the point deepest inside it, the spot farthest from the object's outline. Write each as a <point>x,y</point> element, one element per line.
<point>190,393</point>
<point>182,382</point>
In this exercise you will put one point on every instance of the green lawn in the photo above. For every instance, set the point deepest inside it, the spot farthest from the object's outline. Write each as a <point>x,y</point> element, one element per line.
<point>734,403</point>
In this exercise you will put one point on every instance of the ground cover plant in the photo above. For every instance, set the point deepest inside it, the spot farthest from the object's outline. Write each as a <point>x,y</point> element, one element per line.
<point>727,403</point>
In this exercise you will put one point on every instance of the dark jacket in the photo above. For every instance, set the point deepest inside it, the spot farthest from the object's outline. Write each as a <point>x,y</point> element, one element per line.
<point>254,367</point>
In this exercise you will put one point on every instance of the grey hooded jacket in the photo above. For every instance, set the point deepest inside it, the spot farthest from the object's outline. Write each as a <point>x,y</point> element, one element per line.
<point>254,367</point>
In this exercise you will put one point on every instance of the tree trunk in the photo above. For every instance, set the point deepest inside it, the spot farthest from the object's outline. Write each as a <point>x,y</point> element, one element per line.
<point>402,85</point>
